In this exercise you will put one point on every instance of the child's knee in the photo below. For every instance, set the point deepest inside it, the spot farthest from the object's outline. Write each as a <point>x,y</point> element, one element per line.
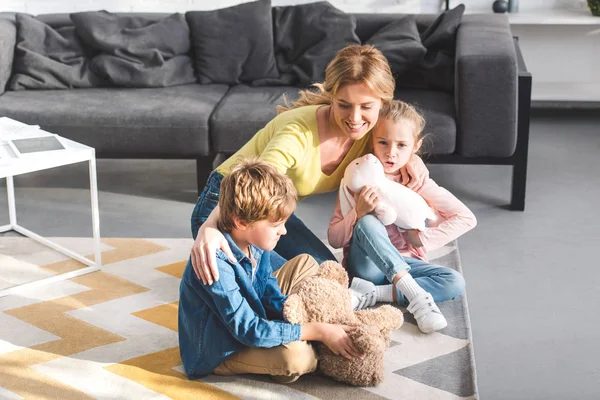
<point>455,286</point>
<point>297,358</point>
<point>306,263</point>
<point>368,223</point>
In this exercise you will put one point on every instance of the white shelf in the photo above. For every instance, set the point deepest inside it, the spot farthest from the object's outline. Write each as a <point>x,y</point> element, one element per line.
<point>554,17</point>
<point>567,16</point>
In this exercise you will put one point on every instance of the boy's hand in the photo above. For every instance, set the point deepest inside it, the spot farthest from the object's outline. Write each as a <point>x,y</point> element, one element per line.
<point>414,173</point>
<point>336,338</point>
<point>366,201</point>
<point>204,251</point>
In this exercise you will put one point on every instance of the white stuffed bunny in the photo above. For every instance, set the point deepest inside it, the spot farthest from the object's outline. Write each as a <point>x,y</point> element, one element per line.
<point>400,206</point>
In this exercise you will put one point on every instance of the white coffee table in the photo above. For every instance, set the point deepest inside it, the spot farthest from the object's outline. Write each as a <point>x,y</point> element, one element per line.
<point>11,165</point>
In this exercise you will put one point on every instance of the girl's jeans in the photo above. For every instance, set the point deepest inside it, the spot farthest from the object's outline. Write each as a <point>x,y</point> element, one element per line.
<point>298,240</point>
<point>373,257</point>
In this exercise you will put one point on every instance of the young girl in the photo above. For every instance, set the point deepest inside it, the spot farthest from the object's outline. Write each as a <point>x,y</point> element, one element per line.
<point>377,255</point>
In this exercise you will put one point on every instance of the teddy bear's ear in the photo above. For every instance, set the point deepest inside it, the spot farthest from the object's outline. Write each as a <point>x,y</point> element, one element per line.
<point>334,271</point>
<point>294,311</point>
<point>386,317</point>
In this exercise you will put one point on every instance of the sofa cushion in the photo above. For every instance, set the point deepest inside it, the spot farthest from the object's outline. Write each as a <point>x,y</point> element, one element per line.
<point>400,43</point>
<point>117,122</point>
<point>436,71</point>
<point>135,51</point>
<point>440,116</point>
<point>243,112</point>
<point>307,37</point>
<point>234,44</point>
<point>48,58</point>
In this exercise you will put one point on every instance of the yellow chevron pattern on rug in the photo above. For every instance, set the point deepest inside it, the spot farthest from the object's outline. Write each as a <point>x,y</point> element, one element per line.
<point>113,334</point>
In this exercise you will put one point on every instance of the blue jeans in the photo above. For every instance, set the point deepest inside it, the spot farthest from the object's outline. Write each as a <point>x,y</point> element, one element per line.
<point>298,240</point>
<point>373,257</point>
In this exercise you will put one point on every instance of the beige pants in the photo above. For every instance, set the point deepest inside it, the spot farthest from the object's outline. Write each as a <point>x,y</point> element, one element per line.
<point>287,360</point>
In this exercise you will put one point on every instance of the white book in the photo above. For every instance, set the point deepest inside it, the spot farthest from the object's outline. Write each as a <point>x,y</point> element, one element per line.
<point>13,129</point>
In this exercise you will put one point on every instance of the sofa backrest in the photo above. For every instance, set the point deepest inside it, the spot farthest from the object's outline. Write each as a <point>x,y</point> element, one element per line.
<point>366,24</point>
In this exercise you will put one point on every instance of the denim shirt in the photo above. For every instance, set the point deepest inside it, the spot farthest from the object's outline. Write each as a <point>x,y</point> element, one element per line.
<point>235,312</point>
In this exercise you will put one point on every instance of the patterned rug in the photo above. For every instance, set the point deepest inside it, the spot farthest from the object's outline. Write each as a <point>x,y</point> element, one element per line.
<point>112,334</point>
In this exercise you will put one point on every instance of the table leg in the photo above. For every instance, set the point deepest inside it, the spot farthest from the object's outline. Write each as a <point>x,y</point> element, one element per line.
<point>95,212</point>
<point>12,209</point>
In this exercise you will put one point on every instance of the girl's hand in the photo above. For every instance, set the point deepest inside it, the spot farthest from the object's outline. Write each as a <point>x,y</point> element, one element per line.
<point>336,338</point>
<point>366,201</point>
<point>412,237</point>
<point>204,251</point>
<point>414,173</point>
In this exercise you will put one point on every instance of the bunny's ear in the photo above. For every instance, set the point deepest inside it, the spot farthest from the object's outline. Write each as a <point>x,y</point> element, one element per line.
<point>347,201</point>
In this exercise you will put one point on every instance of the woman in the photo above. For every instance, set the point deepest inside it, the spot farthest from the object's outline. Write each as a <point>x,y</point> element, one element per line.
<point>311,142</point>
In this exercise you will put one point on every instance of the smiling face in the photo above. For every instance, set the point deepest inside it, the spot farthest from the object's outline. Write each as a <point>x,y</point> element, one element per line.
<point>394,143</point>
<point>355,109</point>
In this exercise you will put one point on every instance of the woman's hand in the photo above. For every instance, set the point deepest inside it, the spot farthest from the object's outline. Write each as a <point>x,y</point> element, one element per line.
<point>336,338</point>
<point>204,251</point>
<point>414,173</point>
<point>366,201</point>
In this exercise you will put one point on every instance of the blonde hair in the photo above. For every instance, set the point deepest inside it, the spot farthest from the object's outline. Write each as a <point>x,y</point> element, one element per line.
<point>352,64</point>
<point>255,191</point>
<point>397,110</point>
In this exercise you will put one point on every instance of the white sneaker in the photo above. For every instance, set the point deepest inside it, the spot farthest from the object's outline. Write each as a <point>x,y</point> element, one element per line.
<point>363,294</point>
<point>426,312</point>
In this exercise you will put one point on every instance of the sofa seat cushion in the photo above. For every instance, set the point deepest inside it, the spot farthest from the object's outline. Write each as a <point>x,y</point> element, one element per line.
<point>440,116</point>
<point>149,122</point>
<point>244,111</point>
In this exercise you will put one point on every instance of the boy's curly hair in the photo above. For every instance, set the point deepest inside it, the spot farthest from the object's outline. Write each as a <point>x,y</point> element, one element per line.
<point>255,191</point>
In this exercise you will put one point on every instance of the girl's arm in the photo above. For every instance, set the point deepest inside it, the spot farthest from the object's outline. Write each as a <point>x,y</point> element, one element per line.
<point>456,218</point>
<point>341,227</point>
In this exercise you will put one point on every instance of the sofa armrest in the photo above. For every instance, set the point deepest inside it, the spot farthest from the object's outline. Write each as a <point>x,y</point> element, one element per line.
<point>8,37</point>
<point>486,87</point>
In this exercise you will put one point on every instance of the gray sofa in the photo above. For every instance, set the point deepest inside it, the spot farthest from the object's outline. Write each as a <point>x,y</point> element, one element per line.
<point>484,121</point>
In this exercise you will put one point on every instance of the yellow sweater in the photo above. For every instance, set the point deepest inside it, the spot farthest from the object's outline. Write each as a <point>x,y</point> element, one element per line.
<point>290,142</point>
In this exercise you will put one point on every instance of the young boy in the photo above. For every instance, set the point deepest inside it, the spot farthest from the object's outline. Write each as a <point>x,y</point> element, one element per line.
<point>236,326</point>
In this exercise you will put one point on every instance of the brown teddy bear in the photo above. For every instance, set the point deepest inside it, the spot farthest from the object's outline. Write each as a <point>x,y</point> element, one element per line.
<point>325,298</point>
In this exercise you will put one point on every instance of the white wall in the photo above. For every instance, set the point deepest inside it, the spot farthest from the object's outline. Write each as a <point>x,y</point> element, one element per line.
<point>390,6</point>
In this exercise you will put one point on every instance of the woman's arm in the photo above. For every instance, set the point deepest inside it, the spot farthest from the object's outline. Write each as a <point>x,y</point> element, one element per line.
<point>414,173</point>
<point>456,218</point>
<point>208,240</point>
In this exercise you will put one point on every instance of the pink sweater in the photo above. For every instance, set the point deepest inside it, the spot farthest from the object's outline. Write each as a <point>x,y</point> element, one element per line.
<point>454,220</point>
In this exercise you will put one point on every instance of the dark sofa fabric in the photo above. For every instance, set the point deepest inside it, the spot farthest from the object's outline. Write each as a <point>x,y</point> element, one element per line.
<point>486,89</point>
<point>440,118</point>
<point>307,36</point>
<point>477,120</point>
<point>235,44</point>
<point>243,112</point>
<point>48,58</point>
<point>400,43</point>
<point>160,122</point>
<point>8,37</point>
<point>135,51</point>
